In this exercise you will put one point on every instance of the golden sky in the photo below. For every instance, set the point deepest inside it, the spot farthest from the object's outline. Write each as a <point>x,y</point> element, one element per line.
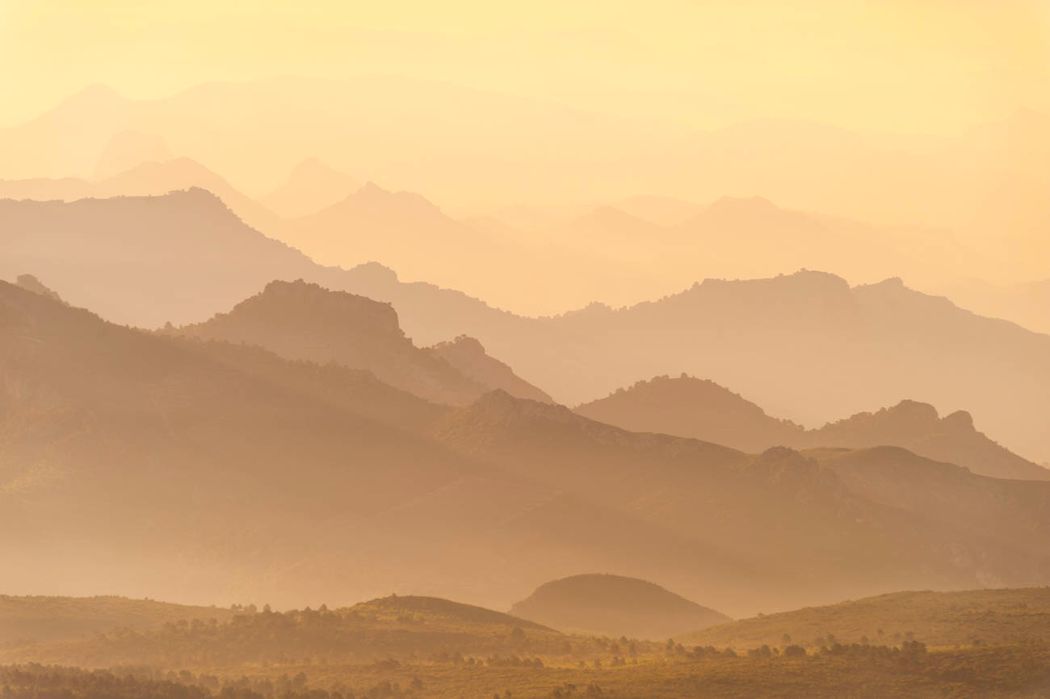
<point>895,65</point>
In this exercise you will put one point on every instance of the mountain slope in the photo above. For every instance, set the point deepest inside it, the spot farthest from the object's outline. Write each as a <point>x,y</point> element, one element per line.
<point>689,407</point>
<point>298,320</point>
<point>806,346</point>
<point>468,356</point>
<point>43,619</point>
<point>917,427</point>
<point>612,605</point>
<point>782,512</point>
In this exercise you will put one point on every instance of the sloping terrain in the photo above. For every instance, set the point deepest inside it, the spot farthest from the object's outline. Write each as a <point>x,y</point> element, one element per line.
<point>614,606</point>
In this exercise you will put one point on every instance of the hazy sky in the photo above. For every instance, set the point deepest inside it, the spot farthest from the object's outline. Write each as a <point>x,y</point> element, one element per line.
<point>897,65</point>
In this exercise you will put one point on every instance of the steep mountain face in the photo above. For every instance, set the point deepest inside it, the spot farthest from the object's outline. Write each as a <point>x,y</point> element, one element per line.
<point>690,407</point>
<point>615,606</point>
<point>469,358</point>
<point>311,186</point>
<point>303,321</point>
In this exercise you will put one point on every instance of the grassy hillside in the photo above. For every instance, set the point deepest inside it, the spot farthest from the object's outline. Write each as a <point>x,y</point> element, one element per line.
<point>37,619</point>
<point>978,617</point>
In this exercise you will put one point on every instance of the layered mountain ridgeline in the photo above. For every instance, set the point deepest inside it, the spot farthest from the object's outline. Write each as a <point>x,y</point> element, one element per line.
<point>252,476</point>
<point>227,458</point>
<point>303,321</point>
<point>614,606</point>
<point>807,346</point>
<point>30,620</point>
<point>298,320</point>
<point>918,428</point>
<point>146,178</point>
<point>390,627</point>
<point>977,617</point>
<point>782,512</point>
<point>689,407</point>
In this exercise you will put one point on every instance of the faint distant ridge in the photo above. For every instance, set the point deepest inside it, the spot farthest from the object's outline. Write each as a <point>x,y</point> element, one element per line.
<point>31,283</point>
<point>614,605</point>
<point>311,186</point>
<point>129,149</point>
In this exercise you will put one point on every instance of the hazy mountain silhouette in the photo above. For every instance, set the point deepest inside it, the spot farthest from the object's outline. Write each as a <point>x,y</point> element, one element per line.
<point>806,347</point>
<point>128,150</point>
<point>614,606</point>
<point>31,283</point>
<point>146,178</point>
<point>468,356</point>
<point>181,257</point>
<point>263,477</point>
<point>704,491</point>
<point>689,407</point>
<point>1026,304</point>
<point>365,120</point>
<point>157,178</point>
<point>298,320</point>
<point>311,186</point>
<point>918,428</point>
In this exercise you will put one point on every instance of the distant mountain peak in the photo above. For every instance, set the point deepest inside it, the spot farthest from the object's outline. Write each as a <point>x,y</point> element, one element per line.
<point>30,283</point>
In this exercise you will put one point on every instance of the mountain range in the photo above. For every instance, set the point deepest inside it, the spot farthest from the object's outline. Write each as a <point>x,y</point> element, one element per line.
<point>806,346</point>
<point>297,320</point>
<point>689,407</point>
<point>256,477</point>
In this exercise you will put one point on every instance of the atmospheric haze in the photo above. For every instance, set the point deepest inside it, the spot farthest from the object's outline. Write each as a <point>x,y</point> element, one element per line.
<point>587,349</point>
